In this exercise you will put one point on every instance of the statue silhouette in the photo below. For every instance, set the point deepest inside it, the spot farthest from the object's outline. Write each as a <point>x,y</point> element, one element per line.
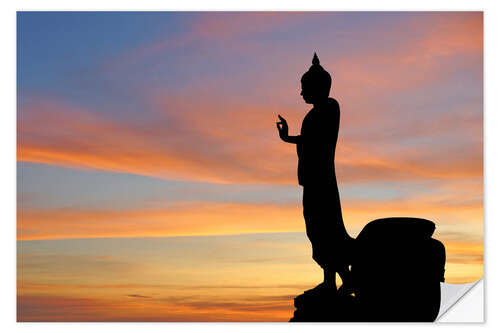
<point>316,173</point>
<point>393,269</point>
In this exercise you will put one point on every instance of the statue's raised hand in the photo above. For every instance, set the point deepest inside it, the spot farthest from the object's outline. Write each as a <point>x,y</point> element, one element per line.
<point>282,128</point>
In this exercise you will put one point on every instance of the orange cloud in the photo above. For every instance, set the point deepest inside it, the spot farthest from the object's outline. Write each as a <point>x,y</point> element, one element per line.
<point>429,44</point>
<point>180,220</point>
<point>74,137</point>
<point>207,218</point>
<point>195,143</point>
<point>34,308</point>
<point>215,26</point>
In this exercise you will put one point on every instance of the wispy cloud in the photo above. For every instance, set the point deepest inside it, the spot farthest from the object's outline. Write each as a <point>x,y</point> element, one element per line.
<point>183,219</point>
<point>67,309</point>
<point>211,135</point>
<point>209,218</point>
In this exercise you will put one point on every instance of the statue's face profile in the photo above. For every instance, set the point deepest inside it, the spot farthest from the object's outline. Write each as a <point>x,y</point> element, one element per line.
<point>308,93</point>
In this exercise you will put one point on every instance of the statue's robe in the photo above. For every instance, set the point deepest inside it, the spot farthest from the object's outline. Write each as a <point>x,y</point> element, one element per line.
<point>316,173</point>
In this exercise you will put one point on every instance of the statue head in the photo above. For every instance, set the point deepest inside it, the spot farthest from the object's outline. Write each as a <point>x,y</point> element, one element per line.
<point>316,83</point>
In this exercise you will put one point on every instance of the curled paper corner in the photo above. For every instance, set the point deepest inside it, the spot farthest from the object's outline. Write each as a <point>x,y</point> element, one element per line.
<point>461,303</point>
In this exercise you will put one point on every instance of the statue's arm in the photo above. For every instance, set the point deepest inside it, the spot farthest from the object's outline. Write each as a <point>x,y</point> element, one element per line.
<point>293,139</point>
<point>283,132</point>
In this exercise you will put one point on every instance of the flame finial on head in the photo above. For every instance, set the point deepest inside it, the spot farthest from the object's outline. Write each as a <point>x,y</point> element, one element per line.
<point>315,59</point>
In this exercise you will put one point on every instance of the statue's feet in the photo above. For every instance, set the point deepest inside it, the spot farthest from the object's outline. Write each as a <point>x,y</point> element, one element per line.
<point>312,296</point>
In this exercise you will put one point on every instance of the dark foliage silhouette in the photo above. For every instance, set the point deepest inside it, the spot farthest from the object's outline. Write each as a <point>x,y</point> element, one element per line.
<point>393,269</point>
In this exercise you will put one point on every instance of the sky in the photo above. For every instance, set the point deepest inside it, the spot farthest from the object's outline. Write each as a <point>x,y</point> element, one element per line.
<point>151,181</point>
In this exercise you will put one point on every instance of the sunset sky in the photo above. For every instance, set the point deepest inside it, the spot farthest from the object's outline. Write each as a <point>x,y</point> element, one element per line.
<point>153,186</point>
